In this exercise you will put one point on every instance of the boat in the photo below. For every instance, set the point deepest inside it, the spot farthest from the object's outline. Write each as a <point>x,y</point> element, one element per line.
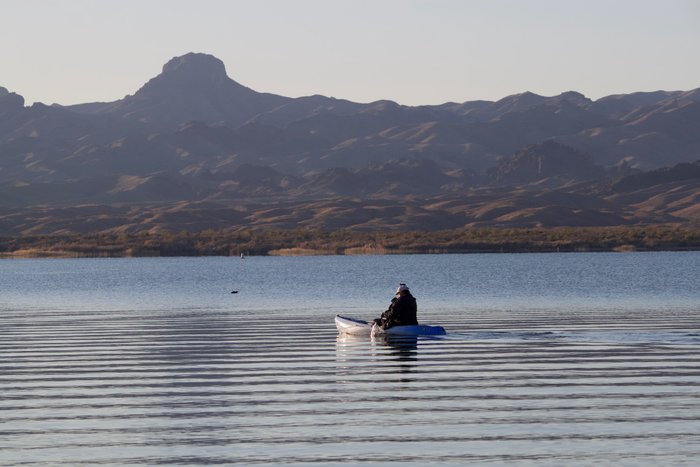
<point>354,326</point>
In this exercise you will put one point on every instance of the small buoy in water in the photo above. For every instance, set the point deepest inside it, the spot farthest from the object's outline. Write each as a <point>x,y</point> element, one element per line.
<point>234,291</point>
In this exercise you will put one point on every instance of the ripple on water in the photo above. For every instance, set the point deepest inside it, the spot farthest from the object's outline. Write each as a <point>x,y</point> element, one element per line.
<point>206,386</point>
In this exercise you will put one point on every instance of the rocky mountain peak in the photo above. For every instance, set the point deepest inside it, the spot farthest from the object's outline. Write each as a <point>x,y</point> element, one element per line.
<point>191,87</point>
<point>190,73</point>
<point>542,160</point>
<point>517,103</point>
<point>9,101</point>
<point>575,98</point>
<point>200,67</point>
<point>572,95</point>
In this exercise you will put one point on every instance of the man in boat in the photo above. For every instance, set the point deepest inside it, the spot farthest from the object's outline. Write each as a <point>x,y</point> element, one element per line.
<point>402,310</point>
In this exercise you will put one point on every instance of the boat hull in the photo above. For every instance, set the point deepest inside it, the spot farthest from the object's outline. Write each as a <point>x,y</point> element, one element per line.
<point>353,326</point>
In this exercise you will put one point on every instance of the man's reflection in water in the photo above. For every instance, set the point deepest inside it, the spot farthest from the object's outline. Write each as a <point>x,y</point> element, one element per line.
<point>404,348</point>
<point>380,355</point>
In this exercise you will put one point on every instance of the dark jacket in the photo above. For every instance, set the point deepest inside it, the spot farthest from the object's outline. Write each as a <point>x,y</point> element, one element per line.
<point>401,312</point>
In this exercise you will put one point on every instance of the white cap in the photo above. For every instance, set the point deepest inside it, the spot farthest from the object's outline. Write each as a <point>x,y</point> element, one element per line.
<point>402,288</point>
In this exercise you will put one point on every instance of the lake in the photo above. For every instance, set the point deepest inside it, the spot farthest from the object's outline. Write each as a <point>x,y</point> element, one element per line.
<point>550,359</point>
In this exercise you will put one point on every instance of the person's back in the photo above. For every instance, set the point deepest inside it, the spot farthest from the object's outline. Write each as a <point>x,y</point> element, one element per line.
<point>403,310</point>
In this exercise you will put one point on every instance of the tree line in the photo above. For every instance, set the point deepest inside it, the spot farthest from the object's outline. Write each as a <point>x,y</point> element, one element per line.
<point>235,242</point>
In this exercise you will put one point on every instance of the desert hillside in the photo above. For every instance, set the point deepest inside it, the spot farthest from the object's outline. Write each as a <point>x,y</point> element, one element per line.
<point>192,150</point>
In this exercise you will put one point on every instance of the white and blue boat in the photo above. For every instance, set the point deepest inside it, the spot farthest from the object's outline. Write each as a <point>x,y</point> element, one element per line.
<point>354,326</point>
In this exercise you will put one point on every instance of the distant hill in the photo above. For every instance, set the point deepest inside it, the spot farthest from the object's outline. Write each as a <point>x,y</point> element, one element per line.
<point>191,87</point>
<point>193,149</point>
<point>544,161</point>
<point>679,173</point>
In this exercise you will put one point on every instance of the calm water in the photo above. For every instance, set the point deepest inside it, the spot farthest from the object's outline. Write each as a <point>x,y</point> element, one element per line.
<point>559,359</point>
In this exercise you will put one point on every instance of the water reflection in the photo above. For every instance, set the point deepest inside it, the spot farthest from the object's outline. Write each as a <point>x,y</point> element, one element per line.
<point>212,383</point>
<point>402,348</point>
<point>385,355</point>
<point>204,387</point>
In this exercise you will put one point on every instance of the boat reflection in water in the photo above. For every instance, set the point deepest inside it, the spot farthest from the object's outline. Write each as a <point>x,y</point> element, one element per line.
<point>358,356</point>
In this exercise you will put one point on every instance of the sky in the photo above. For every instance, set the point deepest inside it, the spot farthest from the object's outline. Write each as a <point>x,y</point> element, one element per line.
<point>414,52</point>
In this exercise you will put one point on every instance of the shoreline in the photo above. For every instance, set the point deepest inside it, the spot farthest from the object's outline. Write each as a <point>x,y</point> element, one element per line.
<point>302,242</point>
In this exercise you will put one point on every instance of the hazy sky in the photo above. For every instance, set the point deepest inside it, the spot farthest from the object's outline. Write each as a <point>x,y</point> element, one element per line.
<point>411,51</point>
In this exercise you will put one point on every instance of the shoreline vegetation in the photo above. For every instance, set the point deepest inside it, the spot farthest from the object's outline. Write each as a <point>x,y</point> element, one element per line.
<point>303,242</point>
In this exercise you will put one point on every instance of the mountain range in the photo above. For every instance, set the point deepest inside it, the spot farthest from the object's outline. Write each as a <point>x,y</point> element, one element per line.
<point>192,149</point>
